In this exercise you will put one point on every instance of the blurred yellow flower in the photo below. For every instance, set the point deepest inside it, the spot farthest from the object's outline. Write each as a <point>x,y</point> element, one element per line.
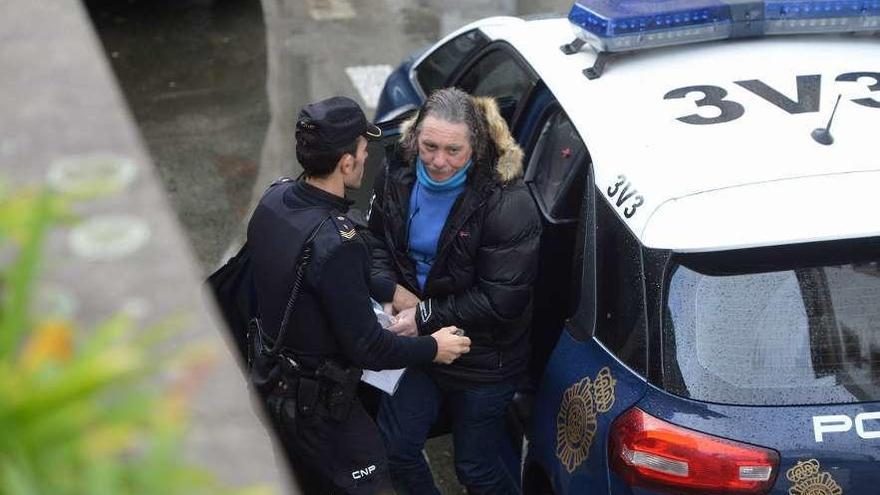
<point>50,342</point>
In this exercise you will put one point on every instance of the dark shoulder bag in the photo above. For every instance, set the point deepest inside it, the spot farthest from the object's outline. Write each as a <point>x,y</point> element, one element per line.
<point>232,286</point>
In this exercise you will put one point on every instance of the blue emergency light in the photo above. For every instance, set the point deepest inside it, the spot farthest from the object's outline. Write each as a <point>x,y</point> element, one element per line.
<point>624,25</point>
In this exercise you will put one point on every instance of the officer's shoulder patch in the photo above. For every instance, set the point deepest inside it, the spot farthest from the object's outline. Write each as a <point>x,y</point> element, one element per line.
<point>344,225</point>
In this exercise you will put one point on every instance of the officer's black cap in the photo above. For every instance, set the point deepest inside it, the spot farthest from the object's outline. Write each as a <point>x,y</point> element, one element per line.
<point>333,123</point>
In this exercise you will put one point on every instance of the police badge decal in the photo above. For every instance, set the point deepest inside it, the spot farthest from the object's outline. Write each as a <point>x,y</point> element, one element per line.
<point>807,479</point>
<point>576,421</point>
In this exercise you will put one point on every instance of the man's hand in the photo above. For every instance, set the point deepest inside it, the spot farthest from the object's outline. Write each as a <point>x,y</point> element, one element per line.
<point>450,345</point>
<point>403,299</point>
<point>406,323</point>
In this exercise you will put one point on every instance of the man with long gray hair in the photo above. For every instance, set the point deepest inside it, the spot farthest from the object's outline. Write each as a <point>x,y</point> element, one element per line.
<point>458,237</point>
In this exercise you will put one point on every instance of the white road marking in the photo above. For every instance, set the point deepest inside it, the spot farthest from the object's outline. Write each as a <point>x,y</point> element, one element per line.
<point>109,237</point>
<point>330,10</point>
<point>368,80</point>
<point>93,173</point>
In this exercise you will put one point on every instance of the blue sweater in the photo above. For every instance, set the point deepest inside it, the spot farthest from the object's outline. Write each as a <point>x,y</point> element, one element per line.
<point>429,205</point>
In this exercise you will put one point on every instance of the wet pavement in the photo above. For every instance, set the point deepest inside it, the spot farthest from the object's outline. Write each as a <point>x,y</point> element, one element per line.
<point>214,87</point>
<point>194,74</point>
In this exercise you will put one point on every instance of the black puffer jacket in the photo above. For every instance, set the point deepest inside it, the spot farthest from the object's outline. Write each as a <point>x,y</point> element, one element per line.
<point>481,279</point>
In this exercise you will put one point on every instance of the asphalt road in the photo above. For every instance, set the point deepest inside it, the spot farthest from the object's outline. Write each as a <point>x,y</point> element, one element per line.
<point>214,87</point>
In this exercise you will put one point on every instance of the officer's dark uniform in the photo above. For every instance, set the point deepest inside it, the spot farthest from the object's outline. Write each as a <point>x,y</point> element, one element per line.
<point>333,321</point>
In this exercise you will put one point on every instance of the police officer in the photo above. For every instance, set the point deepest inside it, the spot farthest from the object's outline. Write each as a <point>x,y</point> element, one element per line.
<point>316,327</point>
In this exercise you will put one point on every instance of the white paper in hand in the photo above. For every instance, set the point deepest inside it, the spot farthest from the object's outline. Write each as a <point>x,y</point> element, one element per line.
<point>385,380</point>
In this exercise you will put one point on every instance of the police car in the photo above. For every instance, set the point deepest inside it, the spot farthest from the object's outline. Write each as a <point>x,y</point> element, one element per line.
<point>708,307</point>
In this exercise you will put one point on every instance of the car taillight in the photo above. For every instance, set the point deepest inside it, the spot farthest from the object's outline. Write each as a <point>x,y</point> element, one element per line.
<point>651,453</point>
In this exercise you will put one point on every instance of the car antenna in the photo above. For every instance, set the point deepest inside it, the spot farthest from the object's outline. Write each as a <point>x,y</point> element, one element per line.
<point>823,135</point>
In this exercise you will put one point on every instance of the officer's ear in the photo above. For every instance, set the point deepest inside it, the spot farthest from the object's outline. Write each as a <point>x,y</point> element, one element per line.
<point>345,163</point>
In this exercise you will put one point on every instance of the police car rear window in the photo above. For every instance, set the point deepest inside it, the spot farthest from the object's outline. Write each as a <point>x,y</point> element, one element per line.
<point>757,328</point>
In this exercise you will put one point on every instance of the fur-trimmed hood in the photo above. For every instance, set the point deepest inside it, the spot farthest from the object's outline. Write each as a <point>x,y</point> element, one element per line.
<point>509,165</point>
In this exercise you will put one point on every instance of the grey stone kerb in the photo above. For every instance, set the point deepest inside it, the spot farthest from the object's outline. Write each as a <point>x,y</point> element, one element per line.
<point>63,117</point>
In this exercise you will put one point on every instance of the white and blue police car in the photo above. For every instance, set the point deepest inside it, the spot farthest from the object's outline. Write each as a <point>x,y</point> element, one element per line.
<point>708,306</point>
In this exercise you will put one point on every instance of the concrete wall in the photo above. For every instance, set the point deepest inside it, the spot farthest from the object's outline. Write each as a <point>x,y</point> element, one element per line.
<point>62,118</point>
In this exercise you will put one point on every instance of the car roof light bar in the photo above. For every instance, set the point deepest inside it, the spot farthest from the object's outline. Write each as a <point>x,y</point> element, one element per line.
<point>627,25</point>
<point>788,17</point>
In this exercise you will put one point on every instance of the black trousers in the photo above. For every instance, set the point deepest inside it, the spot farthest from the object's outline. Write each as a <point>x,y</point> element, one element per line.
<point>327,456</point>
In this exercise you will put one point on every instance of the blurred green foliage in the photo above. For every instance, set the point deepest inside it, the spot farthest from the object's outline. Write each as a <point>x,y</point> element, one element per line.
<point>83,411</point>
